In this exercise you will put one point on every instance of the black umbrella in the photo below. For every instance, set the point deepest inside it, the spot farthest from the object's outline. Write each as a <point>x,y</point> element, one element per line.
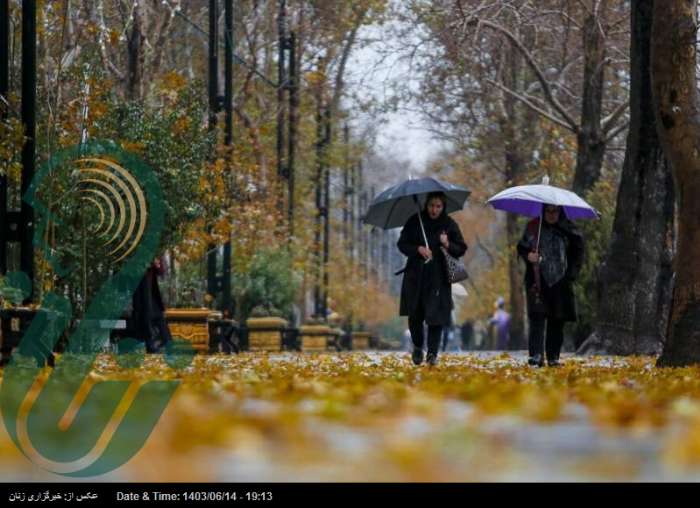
<point>395,205</point>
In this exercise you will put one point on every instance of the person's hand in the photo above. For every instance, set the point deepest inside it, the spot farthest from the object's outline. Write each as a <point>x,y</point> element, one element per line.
<point>425,252</point>
<point>533,257</point>
<point>444,240</point>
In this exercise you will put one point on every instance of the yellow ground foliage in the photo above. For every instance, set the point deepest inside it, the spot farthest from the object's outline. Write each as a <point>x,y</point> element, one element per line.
<point>280,411</point>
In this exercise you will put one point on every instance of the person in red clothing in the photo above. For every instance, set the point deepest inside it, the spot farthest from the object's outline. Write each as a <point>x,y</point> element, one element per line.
<point>554,256</point>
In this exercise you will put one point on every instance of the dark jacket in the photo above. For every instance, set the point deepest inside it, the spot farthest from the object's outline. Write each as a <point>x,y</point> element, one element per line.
<point>148,313</point>
<point>559,300</point>
<point>429,281</point>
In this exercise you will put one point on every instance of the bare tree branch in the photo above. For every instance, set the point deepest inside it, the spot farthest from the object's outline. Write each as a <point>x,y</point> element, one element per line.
<point>571,124</point>
<point>535,108</point>
<point>608,123</point>
<point>612,135</point>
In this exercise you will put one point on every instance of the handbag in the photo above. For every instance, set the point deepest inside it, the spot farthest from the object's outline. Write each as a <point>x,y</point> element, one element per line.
<point>456,271</point>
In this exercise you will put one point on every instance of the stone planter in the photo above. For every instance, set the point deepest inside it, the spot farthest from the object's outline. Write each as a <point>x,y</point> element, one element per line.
<point>314,338</point>
<point>360,341</point>
<point>265,334</point>
<point>192,324</point>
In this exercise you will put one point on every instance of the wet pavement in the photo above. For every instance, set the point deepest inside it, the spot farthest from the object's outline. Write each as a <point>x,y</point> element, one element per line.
<point>430,438</point>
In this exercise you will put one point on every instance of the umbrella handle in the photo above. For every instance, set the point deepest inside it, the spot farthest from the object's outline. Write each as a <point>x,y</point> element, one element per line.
<point>539,232</point>
<point>420,219</point>
<point>536,267</point>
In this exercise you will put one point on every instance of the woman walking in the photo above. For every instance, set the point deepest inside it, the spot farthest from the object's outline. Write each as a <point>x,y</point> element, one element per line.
<point>553,264</point>
<point>426,295</point>
<point>148,314</point>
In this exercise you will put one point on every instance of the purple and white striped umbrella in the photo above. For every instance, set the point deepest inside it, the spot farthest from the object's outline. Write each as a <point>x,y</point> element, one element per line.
<point>528,200</point>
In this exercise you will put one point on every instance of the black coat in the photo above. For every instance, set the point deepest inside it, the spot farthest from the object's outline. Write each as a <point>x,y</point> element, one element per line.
<point>148,313</point>
<point>429,281</point>
<point>559,299</point>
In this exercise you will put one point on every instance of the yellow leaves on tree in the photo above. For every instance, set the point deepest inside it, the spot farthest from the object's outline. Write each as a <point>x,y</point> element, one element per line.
<point>365,299</point>
<point>170,85</point>
<point>11,143</point>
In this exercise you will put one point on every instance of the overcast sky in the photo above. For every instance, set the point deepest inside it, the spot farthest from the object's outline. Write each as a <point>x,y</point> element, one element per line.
<point>370,73</point>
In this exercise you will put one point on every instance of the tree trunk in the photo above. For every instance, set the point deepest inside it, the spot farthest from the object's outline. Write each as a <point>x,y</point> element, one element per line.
<point>135,58</point>
<point>678,124</point>
<point>517,292</point>
<point>635,279</point>
<point>511,127</point>
<point>590,137</point>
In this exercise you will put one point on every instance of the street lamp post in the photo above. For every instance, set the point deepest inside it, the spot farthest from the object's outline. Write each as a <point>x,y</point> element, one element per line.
<point>26,222</point>
<point>4,100</point>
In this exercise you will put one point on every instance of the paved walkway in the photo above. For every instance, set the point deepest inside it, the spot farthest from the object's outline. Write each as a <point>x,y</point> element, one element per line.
<point>375,417</point>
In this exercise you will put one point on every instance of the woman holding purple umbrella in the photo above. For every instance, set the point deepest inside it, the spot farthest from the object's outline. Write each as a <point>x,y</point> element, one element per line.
<point>553,252</point>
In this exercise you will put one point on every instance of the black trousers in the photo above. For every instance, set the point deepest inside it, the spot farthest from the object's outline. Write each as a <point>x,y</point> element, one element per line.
<point>160,335</point>
<point>555,336</point>
<point>415,325</point>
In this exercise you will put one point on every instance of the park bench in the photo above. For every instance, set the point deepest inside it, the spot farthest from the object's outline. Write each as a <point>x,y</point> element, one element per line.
<point>15,321</point>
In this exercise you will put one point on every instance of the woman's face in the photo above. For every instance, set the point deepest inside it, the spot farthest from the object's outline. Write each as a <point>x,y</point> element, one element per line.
<point>551,214</point>
<point>435,207</point>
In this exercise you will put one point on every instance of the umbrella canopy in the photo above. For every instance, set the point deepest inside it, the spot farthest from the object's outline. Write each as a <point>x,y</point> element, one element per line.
<point>395,205</point>
<point>528,200</point>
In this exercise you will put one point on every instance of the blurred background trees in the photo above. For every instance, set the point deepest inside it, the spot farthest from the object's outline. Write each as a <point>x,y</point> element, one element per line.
<point>512,90</point>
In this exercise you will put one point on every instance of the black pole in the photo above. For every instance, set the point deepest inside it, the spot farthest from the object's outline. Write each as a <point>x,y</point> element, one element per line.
<point>212,282</point>
<point>213,62</point>
<point>362,202</point>
<point>373,241</point>
<point>346,188</point>
<point>226,300</point>
<point>4,52</point>
<point>319,204</point>
<point>326,208</point>
<point>226,297</point>
<point>281,87</point>
<point>4,92</point>
<point>29,121</point>
<point>212,286</point>
<point>293,111</point>
<point>353,209</point>
<point>228,70</point>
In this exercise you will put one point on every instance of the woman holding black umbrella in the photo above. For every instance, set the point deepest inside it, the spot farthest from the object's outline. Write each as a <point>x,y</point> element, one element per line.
<point>426,295</point>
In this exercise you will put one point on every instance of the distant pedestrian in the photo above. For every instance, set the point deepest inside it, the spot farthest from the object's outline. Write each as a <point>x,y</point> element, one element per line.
<point>467,332</point>
<point>501,320</point>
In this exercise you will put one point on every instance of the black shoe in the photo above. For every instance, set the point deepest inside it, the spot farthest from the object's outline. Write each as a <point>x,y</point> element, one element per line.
<point>417,356</point>
<point>554,362</point>
<point>432,359</point>
<point>536,360</point>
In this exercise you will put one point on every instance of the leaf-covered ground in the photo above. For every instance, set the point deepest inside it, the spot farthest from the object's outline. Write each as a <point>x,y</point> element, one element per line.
<point>376,417</point>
